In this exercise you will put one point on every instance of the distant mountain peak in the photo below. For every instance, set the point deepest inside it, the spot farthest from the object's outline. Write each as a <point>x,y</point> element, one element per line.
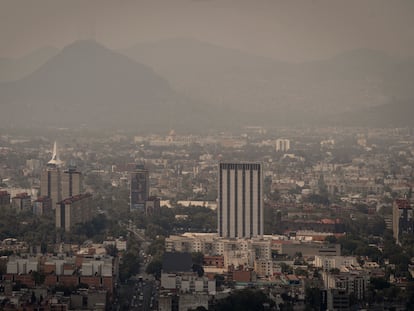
<point>93,59</point>
<point>87,83</point>
<point>85,44</point>
<point>87,48</point>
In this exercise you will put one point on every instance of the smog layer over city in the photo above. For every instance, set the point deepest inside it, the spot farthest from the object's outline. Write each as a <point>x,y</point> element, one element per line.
<point>206,155</point>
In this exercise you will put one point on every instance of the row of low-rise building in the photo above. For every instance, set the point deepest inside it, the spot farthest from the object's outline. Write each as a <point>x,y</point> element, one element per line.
<point>342,276</point>
<point>181,285</point>
<point>13,245</point>
<point>351,281</point>
<point>255,253</point>
<point>98,272</point>
<point>42,299</point>
<point>62,265</point>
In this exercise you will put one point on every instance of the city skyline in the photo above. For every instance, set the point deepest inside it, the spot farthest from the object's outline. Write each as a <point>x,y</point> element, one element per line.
<point>276,143</point>
<point>329,200</point>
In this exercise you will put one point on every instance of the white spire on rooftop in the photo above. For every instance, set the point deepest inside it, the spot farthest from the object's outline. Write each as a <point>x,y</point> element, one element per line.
<point>55,156</point>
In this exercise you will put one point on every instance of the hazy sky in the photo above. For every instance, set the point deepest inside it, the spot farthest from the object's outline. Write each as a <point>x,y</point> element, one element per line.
<point>283,29</point>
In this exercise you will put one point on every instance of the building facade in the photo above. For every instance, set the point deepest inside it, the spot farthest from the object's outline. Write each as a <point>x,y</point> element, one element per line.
<point>402,218</point>
<point>240,200</point>
<point>22,202</point>
<point>42,206</point>
<point>139,187</point>
<point>4,198</point>
<point>71,182</point>
<point>74,210</point>
<point>50,184</point>
<point>282,145</point>
<point>51,178</point>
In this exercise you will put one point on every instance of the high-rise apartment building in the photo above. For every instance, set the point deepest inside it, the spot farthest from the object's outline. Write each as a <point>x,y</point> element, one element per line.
<point>4,198</point>
<point>139,187</point>
<point>58,184</point>
<point>42,206</point>
<point>21,202</point>
<point>402,218</point>
<point>282,145</point>
<point>51,178</point>
<point>71,182</point>
<point>74,210</point>
<point>240,200</point>
<point>50,184</point>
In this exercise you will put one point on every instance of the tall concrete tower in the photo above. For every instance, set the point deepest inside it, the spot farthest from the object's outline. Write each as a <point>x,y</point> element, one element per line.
<point>50,179</point>
<point>402,218</point>
<point>240,200</point>
<point>71,182</point>
<point>139,187</point>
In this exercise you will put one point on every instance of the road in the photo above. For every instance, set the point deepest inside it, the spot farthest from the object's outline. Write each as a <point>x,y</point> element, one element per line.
<point>139,294</point>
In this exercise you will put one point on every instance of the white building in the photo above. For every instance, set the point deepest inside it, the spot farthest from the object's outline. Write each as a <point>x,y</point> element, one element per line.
<point>240,200</point>
<point>17,265</point>
<point>264,268</point>
<point>330,262</point>
<point>187,283</point>
<point>351,282</point>
<point>282,144</point>
<point>236,252</point>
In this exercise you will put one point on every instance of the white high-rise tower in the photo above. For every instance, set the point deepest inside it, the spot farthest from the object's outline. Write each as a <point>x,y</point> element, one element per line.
<point>240,200</point>
<point>282,145</point>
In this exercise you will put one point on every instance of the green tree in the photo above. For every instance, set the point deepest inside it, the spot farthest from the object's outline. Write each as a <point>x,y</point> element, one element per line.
<point>301,272</point>
<point>197,258</point>
<point>313,298</point>
<point>111,250</point>
<point>219,280</point>
<point>244,300</point>
<point>379,283</point>
<point>331,239</point>
<point>156,248</point>
<point>129,266</point>
<point>317,199</point>
<point>38,277</point>
<point>154,268</point>
<point>286,268</point>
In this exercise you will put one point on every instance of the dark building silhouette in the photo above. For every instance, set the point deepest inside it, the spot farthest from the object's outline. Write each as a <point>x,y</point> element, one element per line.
<point>42,206</point>
<point>71,182</point>
<point>21,202</point>
<point>402,218</point>
<point>4,198</point>
<point>139,187</point>
<point>74,210</point>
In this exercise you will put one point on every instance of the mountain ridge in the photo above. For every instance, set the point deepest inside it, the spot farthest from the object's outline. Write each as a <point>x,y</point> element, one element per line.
<point>348,81</point>
<point>88,84</point>
<point>12,69</point>
<point>196,85</point>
